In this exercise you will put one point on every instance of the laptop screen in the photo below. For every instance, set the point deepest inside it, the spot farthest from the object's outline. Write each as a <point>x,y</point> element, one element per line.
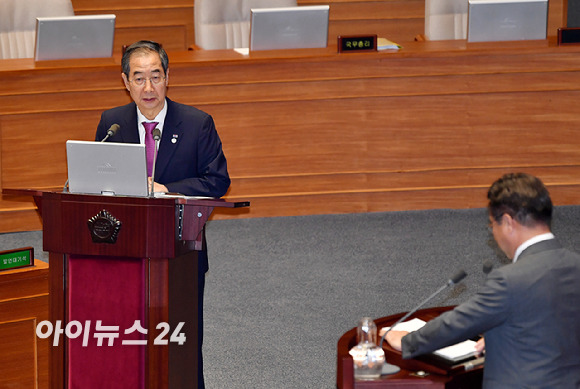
<point>107,168</point>
<point>507,20</point>
<point>67,37</point>
<point>289,28</point>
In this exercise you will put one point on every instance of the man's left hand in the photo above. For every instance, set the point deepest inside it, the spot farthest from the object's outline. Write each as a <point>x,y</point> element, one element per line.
<point>157,187</point>
<point>394,338</point>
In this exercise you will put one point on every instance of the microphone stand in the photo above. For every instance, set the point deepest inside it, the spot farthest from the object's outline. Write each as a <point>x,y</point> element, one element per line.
<point>412,312</point>
<point>156,136</point>
<point>391,369</point>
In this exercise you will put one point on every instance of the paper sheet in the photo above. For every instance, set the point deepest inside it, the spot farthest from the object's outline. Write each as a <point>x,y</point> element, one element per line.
<point>455,352</point>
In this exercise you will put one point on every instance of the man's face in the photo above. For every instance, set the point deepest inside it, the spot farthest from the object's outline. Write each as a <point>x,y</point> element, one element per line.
<point>145,69</point>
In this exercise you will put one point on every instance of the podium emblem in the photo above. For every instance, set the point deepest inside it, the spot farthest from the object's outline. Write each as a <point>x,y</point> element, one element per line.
<point>104,227</point>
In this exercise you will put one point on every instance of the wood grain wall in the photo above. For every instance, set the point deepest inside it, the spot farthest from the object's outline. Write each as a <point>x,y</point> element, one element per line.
<point>171,21</point>
<point>311,132</point>
<point>23,304</point>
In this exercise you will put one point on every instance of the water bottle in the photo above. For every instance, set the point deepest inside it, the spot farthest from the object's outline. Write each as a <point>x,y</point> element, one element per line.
<point>368,358</point>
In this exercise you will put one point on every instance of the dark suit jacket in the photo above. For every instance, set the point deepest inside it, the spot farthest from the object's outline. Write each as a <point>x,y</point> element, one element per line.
<point>190,160</point>
<point>529,313</point>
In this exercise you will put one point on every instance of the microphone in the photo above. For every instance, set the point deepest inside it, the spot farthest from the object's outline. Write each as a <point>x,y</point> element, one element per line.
<point>456,278</point>
<point>111,131</point>
<point>487,267</point>
<point>156,136</point>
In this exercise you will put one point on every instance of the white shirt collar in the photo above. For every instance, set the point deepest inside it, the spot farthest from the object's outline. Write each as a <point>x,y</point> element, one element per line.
<point>160,118</point>
<point>529,242</point>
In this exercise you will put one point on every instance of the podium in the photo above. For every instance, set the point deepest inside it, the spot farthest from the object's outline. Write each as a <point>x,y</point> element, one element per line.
<point>123,288</point>
<point>437,374</point>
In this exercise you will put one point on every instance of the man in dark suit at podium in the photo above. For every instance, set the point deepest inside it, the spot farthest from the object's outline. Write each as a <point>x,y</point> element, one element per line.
<point>190,159</point>
<point>528,311</point>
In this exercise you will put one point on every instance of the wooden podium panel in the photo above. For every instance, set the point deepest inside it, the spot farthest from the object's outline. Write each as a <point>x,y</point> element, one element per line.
<point>123,288</point>
<point>438,375</point>
<point>23,304</point>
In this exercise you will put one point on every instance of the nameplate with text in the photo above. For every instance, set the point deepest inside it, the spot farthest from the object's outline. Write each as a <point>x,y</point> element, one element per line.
<point>357,43</point>
<point>13,259</point>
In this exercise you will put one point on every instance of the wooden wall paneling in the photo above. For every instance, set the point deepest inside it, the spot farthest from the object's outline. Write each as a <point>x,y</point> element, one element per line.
<point>18,354</point>
<point>113,4</point>
<point>33,159</point>
<point>170,23</point>
<point>383,182</point>
<point>173,38</point>
<point>382,9</point>
<point>463,145</point>
<point>27,78</point>
<point>399,31</point>
<point>331,130</point>
<point>1,137</point>
<point>23,304</point>
<point>400,21</point>
<point>312,109</point>
<point>557,10</point>
<point>22,217</point>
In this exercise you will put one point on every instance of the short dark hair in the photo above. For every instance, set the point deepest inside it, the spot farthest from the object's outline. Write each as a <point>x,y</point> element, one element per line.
<point>144,46</point>
<point>523,197</point>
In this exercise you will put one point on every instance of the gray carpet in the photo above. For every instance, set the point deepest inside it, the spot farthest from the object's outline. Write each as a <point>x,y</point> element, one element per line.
<point>281,291</point>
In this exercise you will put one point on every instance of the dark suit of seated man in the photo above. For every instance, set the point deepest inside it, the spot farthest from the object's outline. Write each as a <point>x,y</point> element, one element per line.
<point>528,311</point>
<point>190,159</point>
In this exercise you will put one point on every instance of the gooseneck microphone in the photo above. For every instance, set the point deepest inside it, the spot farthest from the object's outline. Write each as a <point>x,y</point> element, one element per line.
<point>156,136</point>
<point>487,267</point>
<point>457,277</point>
<point>111,131</point>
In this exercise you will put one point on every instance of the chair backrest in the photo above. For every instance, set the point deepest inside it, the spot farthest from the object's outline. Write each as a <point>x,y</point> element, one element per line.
<point>18,24</point>
<point>225,24</point>
<point>445,19</point>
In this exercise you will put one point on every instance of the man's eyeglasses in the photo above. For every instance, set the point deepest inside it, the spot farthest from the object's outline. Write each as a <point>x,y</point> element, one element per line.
<point>140,81</point>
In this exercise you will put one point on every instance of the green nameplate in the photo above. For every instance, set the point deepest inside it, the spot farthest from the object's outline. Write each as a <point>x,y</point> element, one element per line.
<point>12,259</point>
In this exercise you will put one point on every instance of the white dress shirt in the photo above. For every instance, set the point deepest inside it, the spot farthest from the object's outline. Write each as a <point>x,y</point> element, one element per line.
<point>529,242</point>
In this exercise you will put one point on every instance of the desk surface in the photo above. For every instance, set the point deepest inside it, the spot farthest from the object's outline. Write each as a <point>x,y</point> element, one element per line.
<point>438,376</point>
<point>223,57</point>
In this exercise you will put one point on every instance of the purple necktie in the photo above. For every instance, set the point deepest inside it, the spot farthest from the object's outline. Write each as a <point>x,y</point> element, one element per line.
<point>149,145</point>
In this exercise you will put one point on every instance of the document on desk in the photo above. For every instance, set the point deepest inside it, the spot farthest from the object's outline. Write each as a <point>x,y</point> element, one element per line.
<point>386,44</point>
<point>159,195</point>
<point>453,353</point>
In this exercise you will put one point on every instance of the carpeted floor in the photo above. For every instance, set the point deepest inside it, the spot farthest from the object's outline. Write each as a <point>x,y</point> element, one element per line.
<point>281,291</point>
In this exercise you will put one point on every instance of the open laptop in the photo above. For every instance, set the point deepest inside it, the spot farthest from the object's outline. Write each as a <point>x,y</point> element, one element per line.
<point>68,37</point>
<point>507,20</point>
<point>107,168</point>
<point>289,27</point>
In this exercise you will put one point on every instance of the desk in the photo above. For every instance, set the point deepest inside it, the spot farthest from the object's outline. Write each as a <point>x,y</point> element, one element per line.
<point>24,302</point>
<point>439,377</point>
<point>316,132</point>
